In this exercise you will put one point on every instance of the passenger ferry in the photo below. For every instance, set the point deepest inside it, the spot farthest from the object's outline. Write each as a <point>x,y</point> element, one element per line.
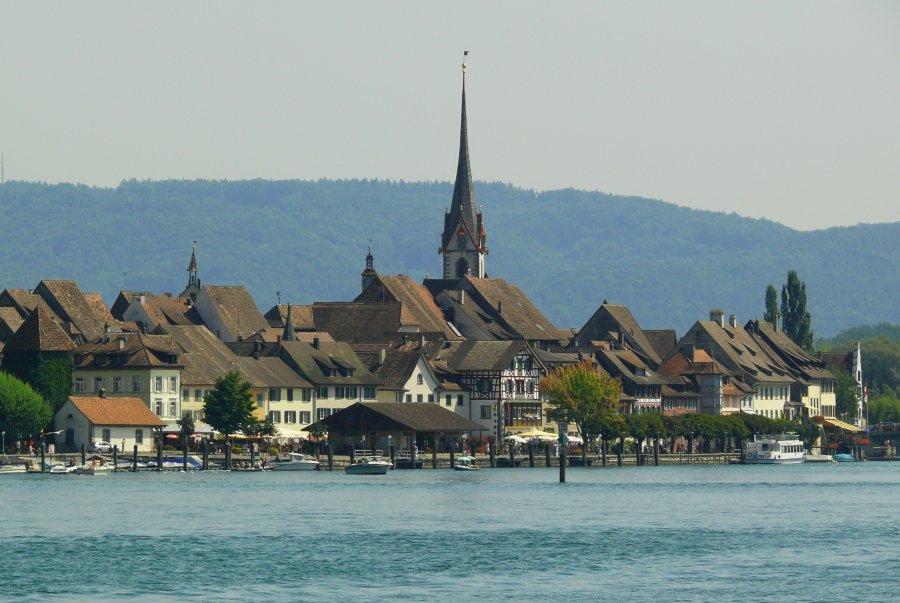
<point>784,449</point>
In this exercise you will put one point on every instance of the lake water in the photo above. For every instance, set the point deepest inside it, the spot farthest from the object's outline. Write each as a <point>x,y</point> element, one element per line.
<point>685,533</point>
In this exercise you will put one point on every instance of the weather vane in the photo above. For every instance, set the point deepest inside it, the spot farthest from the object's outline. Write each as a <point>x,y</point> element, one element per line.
<point>465,54</point>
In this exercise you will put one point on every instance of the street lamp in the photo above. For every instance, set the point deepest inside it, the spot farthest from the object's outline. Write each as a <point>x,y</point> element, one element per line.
<point>4,442</point>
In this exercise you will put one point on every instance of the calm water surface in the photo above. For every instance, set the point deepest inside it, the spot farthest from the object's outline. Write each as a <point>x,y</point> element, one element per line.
<point>698,533</point>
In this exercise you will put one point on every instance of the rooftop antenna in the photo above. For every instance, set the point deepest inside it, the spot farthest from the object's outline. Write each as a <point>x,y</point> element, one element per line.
<point>278,295</point>
<point>124,277</point>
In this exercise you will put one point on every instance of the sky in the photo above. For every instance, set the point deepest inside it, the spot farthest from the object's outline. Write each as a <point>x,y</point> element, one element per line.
<point>788,111</point>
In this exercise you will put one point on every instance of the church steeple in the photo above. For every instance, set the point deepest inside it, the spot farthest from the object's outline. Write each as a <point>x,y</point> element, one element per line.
<point>193,285</point>
<point>369,274</point>
<point>289,334</point>
<point>463,240</point>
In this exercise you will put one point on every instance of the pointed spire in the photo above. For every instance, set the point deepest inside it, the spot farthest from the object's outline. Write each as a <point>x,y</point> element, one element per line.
<point>464,189</point>
<point>289,334</point>
<point>192,266</point>
<point>368,274</point>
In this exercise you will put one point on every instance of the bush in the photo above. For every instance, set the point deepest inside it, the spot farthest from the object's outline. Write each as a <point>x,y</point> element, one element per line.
<point>273,450</point>
<point>237,450</point>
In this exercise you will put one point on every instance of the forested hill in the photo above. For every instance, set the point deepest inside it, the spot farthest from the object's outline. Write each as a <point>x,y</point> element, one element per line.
<point>567,249</point>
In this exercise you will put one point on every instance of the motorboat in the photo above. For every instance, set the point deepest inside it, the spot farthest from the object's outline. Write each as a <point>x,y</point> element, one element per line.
<point>92,468</point>
<point>368,462</point>
<point>176,463</point>
<point>784,449</point>
<point>63,469</point>
<point>818,458</point>
<point>13,467</point>
<point>465,463</point>
<point>297,462</point>
<point>844,458</point>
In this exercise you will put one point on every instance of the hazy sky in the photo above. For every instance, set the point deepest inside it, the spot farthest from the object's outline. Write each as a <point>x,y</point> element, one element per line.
<point>783,110</point>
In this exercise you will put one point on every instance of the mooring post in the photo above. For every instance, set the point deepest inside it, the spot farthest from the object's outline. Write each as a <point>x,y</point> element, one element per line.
<point>492,454</point>
<point>205,454</point>
<point>330,453</point>
<point>452,461</point>
<point>412,455</point>
<point>159,457</point>
<point>434,457</point>
<point>42,457</point>
<point>116,458</point>
<point>393,454</point>
<point>184,456</point>
<point>134,460</point>
<point>547,456</point>
<point>562,464</point>
<point>83,459</point>
<point>512,455</point>
<point>352,453</point>
<point>619,448</point>
<point>252,455</point>
<point>656,451</point>
<point>531,455</point>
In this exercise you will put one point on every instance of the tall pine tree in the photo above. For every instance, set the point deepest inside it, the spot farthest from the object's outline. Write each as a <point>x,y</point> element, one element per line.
<point>795,320</point>
<point>772,313</point>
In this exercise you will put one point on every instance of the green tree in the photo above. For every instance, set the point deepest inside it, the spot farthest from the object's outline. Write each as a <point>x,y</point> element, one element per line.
<point>49,373</point>
<point>886,408</point>
<point>772,313</point>
<point>229,406</point>
<point>642,426</point>
<point>582,395</point>
<point>846,391</point>
<point>23,411</point>
<point>795,320</point>
<point>186,424</point>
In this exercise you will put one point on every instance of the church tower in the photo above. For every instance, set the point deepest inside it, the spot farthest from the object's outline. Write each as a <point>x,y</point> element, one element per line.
<point>369,274</point>
<point>193,286</point>
<point>463,243</point>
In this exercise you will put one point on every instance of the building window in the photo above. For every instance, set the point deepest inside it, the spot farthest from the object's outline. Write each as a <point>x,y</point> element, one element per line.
<point>173,407</point>
<point>185,394</point>
<point>198,394</point>
<point>459,399</point>
<point>369,392</point>
<point>419,398</point>
<point>352,393</point>
<point>485,411</point>
<point>431,398</point>
<point>159,406</point>
<point>290,394</point>
<point>274,394</point>
<point>509,386</point>
<point>323,393</point>
<point>321,413</point>
<point>275,416</point>
<point>106,435</point>
<point>448,400</point>
<point>79,385</point>
<point>304,416</point>
<point>260,400</point>
<point>98,383</point>
<point>339,392</point>
<point>173,384</point>
<point>520,387</point>
<point>306,395</point>
<point>138,436</point>
<point>409,398</point>
<point>159,384</point>
<point>198,415</point>
<point>117,384</point>
<point>290,416</point>
<point>419,379</point>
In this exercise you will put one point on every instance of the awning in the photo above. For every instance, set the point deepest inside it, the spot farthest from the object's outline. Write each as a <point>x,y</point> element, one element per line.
<point>841,425</point>
<point>284,432</point>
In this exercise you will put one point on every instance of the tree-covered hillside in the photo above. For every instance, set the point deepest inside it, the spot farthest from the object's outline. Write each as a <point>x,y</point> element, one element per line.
<point>567,249</point>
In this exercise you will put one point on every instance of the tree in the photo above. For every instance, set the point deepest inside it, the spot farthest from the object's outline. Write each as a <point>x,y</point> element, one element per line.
<point>186,423</point>
<point>23,411</point>
<point>642,426</point>
<point>579,394</point>
<point>772,313</point>
<point>49,373</point>
<point>846,390</point>
<point>795,320</point>
<point>229,406</point>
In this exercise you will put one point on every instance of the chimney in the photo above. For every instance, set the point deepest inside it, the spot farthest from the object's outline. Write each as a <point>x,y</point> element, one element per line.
<point>405,339</point>
<point>622,338</point>
<point>121,343</point>
<point>101,392</point>
<point>499,306</point>
<point>382,354</point>
<point>462,296</point>
<point>718,316</point>
<point>257,348</point>
<point>732,320</point>
<point>143,299</point>
<point>421,342</point>
<point>315,343</point>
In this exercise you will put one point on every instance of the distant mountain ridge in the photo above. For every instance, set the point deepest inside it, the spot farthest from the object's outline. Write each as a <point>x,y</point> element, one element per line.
<point>566,249</point>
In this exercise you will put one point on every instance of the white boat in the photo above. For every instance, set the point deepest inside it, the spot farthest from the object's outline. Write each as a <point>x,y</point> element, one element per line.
<point>63,469</point>
<point>298,462</point>
<point>818,458</point>
<point>465,463</point>
<point>12,467</point>
<point>784,449</point>
<point>92,468</point>
<point>368,462</point>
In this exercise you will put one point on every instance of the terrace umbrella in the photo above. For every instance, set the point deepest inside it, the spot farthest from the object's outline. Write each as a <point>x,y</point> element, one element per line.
<point>536,433</point>
<point>516,439</point>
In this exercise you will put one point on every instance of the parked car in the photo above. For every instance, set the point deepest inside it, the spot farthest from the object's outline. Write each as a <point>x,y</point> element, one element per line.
<point>100,446</point>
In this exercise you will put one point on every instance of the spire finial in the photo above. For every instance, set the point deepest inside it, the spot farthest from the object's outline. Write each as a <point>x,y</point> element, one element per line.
<point>465,54</point>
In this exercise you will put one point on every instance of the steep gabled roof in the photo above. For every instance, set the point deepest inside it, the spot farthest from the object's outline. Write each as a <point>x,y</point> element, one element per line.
<point>800,362</point>
<point>116,411</point>
<point>166,309</point>
<point>24,302</point>
<point>70,304</point>
<point>39,333</point>
<point>205,357</point>
<point>128,350</point>
<point>301,316</point>
<point>418,307</point>
<point>122,301</point>
<point>236,309</point>
<point>357,321</point>
<point>311,363</point>
<point>617,319</point>
<point>398,367</point>
<point>481,355</point>
<point>662,340</point>
<point>10,321</point>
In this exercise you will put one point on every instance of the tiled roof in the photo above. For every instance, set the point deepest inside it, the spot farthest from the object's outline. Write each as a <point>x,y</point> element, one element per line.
<point>799,361</point>
<point>206,358</point>
<point>277,373</point>
<point>515,309</point>
<point>128,350</point>
<point>301,316</point>
<point>397,368</point>
<point>117,411</point>
<point>357,321</point>
<point>274,334</point>
<point>237,309</point>
<point>615,318</point>
<point>123,300</point>
<point>166,309</point>
<point>69,303</point>
<point>10,321</point>
<point>24,302</point>
<point>418,307</point>
<point>621,363</point>
<point>480,355</point>
<point>312,363</point>
<point>39,332</point>
<point>662,340</point>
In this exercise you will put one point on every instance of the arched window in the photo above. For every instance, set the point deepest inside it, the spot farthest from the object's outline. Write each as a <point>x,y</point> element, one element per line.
<point>419,379</point>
